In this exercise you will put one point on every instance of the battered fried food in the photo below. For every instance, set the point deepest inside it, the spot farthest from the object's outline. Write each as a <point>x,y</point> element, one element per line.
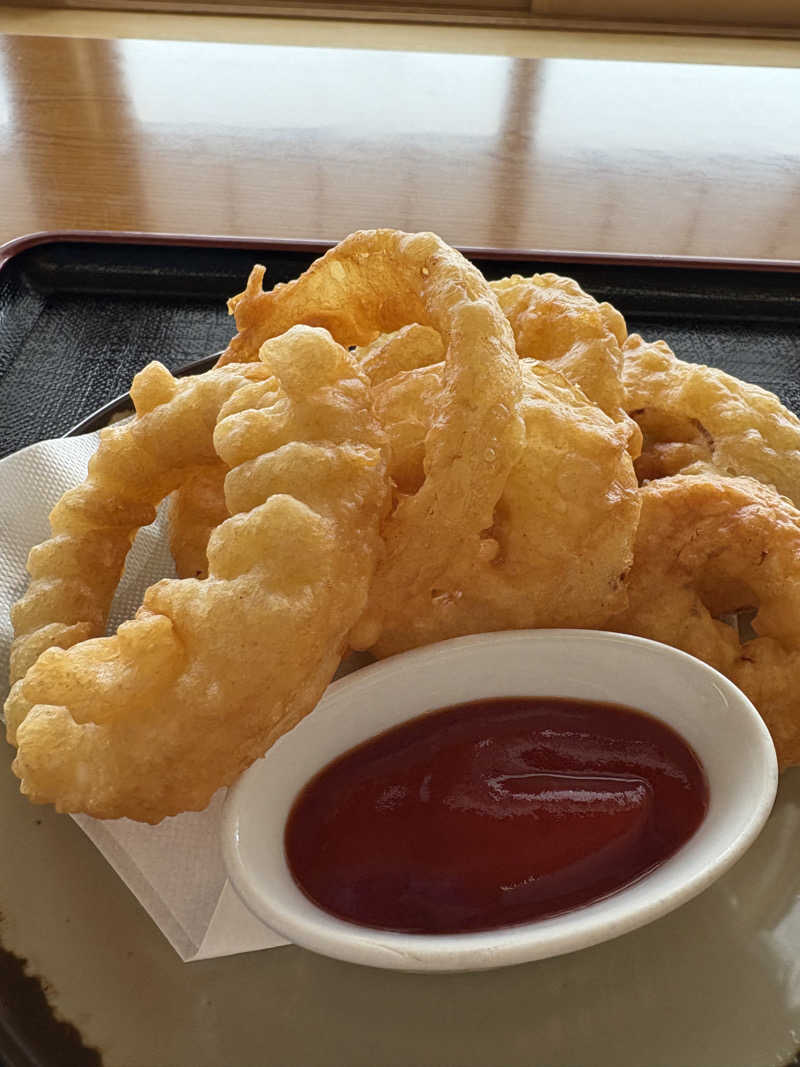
<point>710,546</point>
<point>524,563</point>
<point>75,572</point>
<point>151,721</point>
<point>558,544</point>
<point>555,321</point>
<point>693,414</point>
<point>562,537</point>
<point>198,504</point>
<point>376,282</point>
<point>405,349</point>
<point>407,405</point>
<point>433,482</point>
<point>196,508</point>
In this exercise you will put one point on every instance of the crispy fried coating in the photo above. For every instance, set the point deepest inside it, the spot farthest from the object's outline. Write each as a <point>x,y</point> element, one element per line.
<point>437,480</point>
<point>405,349</point>
<point>151,721</point>
<point>375,282</point>
<point>198,504</point>
<point>693,414</point>
<point>561,539</point>
<point>556,322</point>
<point>74,574</point>
<point>707,547</point>
<point>196,508</point>
<point>407,405</point>
<point>553,320</point>
<point>557,546</point>
<point>671,444</point>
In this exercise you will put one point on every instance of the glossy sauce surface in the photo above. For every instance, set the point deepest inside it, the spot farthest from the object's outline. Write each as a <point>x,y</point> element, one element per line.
<point>493,813</point>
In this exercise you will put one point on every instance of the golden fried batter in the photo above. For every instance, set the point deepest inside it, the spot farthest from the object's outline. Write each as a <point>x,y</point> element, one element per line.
<point>710,546</point>
<point>75,573</point>
<point>556,322</point>
<point>561,539</point>
<point>695,414</point>
<point>151,721</point>
<point>198,505</point>
<point>196,508</point>
<point>553,320</point>
<point>468,467</point>
<point>375,282</point>
<point>405,349</point>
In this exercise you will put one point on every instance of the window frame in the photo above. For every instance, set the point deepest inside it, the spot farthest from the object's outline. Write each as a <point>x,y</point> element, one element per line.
<point>766,18</point>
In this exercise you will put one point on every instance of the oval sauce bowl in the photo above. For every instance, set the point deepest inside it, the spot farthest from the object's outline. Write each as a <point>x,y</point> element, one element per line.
<point>711,715</point>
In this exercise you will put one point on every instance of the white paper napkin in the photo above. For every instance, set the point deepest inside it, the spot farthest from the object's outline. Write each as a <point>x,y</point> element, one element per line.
<point>175,869</point>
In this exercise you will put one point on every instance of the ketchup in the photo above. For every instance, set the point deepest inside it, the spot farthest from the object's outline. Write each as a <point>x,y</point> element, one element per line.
<point>493,813</point>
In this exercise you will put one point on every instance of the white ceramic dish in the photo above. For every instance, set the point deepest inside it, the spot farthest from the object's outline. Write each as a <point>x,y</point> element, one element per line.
<point>715,718</point>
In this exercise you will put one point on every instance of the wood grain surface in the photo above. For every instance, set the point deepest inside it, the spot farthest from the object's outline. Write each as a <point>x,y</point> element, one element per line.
<point>312,143</point>
<point>288,142</point>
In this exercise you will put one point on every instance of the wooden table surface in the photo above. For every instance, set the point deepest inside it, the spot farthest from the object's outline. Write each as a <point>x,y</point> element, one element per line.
<point>286,142</point>
<point>313,143</point>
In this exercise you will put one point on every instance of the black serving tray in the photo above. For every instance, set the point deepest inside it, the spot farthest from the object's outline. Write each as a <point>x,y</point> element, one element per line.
<point>81,313</point>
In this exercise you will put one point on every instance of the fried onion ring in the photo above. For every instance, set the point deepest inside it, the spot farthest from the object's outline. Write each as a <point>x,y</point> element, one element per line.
<point>198,504</point>
<point>151,721</point>
<point>556,322</point>
<point>562,537</point>
<point>710,546</point>
<point>75,573</point>
<point>196,508</point>
<point>696,414</point>
<point>405,349</point>
<point>376,282</point>
<point>553,320</point>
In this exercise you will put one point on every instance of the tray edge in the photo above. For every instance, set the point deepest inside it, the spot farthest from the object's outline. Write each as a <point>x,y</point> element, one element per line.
<point>11,249</point>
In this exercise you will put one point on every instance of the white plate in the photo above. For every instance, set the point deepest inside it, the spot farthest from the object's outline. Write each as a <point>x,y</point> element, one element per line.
<point>716,719</point>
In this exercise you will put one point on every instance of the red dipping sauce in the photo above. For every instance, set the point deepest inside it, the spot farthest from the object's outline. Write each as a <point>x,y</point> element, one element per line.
<point>494,813</point>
